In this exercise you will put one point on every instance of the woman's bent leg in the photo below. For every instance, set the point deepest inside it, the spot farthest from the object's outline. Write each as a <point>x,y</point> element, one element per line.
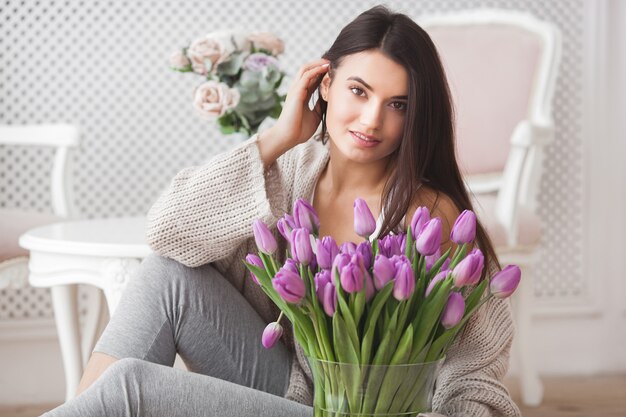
<point>136,388</point>
<point>169,308</point>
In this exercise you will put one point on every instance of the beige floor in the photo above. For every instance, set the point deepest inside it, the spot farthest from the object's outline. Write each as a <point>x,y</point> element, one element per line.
<point>601,396</point>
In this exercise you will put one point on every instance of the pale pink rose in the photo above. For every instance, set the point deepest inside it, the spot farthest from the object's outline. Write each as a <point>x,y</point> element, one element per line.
<point>202,50</point>
<point>267,41</point>
<point>213,98</point>
<point>179,61</point>
<point>215,47</point>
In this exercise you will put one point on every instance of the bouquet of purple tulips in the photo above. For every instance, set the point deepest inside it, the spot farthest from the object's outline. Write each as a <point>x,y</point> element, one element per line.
<point>392,301</point>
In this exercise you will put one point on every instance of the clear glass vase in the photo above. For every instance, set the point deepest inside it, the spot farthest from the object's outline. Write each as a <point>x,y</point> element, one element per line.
<point>351,390</point>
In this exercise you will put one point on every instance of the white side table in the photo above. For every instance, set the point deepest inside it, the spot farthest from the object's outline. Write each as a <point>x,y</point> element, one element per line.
<point>104,253</point>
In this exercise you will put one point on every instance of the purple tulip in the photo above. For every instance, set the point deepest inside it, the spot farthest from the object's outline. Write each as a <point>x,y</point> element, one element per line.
<point>365,250</point>
<point>399,260</point>
<point>256,261</point>
<point>390,245</point>
<point>327,250</point>
<point>284,228</point>
<point>420,217</point>
<point>329,299</point>
<point>384,271</point>
<point>291,265</point>
<point>265,240</point>
<point>289,286</point>
<point>469,270</point>
<point>348,247</point>
<point>352,275</point>
<point>401,238</point>
<point>364,222</point>
<point>271,334</point>
<point>404,284</point>
<point>428,239</point>
<point>443,274</point>
<point>432,259</point>
<point>305,216</point>
<point>291,222</point>
<point>321,279</point>
<point>464,229</point>
<point>301,249</point>
<point>454,310</point>
<point>340,262</point>
<point>505,282</point>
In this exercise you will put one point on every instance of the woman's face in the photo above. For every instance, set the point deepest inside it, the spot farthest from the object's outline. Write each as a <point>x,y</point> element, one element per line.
<point>367,102</point>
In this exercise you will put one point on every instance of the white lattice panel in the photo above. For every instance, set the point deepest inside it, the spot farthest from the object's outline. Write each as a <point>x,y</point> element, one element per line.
<point>104,66</point>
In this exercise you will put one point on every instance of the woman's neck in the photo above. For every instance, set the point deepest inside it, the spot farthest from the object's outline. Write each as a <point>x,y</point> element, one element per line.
<point>345,176</point>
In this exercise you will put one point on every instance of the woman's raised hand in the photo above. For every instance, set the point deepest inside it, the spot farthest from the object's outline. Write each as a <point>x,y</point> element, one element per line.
<point>297,123</point>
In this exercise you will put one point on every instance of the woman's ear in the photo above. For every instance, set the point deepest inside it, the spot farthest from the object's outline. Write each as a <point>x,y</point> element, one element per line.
<point>324,86</point>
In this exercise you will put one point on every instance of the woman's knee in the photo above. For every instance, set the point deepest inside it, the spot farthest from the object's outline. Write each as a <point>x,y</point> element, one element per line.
<point>125,367</point>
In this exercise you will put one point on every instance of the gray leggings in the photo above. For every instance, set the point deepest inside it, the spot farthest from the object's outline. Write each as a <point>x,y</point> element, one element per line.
<point>169,308</point>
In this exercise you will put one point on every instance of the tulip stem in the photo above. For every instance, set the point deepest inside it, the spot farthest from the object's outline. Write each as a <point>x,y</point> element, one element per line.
<point>280,316</point>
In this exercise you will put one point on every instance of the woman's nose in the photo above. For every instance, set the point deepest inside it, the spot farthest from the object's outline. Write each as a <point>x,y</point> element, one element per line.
<point>371,115</point>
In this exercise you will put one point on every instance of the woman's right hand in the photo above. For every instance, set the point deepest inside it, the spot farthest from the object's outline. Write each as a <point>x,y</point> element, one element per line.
<point>297,123</point>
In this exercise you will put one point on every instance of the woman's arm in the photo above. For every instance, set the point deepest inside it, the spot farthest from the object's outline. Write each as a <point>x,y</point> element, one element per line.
<point>207,211</point>
<point>470,382</point>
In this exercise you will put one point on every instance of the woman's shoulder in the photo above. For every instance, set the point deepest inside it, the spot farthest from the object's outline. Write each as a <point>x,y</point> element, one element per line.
<point>439,204</point>
<point>309,155</point>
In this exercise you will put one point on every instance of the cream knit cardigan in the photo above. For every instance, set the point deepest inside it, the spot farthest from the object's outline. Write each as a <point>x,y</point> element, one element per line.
<point>206,215</point>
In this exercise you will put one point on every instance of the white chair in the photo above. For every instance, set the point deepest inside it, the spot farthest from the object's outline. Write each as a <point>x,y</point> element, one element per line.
<point>502,68</point>
<point>14,259</point>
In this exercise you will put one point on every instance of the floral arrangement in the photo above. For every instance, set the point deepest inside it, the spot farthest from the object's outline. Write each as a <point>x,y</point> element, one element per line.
<point>394,301</point>
<point>242,75</point>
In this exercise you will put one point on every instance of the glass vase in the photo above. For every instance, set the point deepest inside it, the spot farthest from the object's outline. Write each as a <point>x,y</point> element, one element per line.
<point>351,390</point>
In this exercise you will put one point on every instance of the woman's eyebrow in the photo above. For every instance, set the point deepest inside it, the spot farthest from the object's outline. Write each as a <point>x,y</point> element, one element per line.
<point>369,87</point>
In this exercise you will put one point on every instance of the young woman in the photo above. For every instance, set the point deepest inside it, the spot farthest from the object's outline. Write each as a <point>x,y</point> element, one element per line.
<point>386,136</point>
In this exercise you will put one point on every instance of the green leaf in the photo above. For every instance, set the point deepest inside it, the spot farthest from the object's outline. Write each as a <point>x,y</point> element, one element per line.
<point>359,305</point>
<point>459,254</point>
<point>260,273</point>
<point>408,250</point>
<point>372,318</point>
<point>429,314</point>
<point>344,348</point>
<point>401,356</point>
<point>434,270</point>
<point>437,348</point>
<point>350,331</point>
<point>474,297</point>
<point>395,378</point>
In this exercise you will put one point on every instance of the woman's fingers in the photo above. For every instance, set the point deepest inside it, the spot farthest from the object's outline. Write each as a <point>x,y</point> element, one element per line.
<point>311,79</point>
<point>310,65</point>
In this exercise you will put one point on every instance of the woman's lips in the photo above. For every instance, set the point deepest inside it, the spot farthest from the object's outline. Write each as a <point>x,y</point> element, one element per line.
<point>362,142</point>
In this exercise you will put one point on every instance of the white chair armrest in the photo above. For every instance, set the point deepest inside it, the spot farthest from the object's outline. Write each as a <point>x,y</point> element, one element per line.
<point>527,134</point>
<point>516,181</point>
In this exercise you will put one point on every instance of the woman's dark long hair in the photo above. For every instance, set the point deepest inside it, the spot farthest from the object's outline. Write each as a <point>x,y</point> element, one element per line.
<point>427,151</point>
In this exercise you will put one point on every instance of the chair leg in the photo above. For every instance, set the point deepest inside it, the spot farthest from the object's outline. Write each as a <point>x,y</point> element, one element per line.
<point>530,383</point>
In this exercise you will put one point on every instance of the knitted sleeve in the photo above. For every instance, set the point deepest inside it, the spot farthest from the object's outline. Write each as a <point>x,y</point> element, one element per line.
<point>206,212</point>
<point>470,382</point>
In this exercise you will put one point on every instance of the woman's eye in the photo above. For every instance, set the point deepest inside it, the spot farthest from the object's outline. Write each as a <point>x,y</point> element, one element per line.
<point>356,90</point>
<point>398,105</point>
